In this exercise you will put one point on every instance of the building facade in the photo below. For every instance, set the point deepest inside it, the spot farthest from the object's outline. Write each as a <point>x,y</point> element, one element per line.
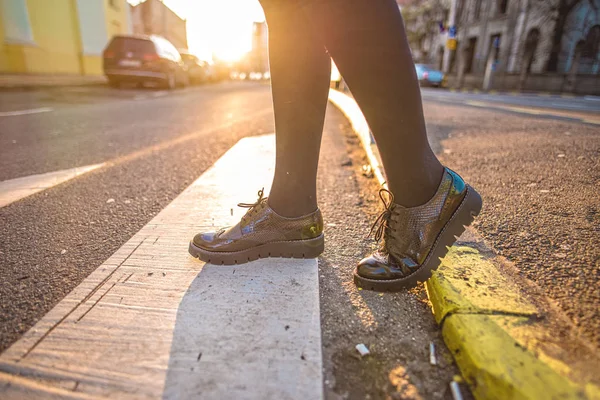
<point>517,44</point>
<point>153,17</point>
<point>260,47</point>
<point>58,36</point>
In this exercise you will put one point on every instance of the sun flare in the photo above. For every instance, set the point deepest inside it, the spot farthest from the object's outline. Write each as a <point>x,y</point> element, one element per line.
<point>220,29</point>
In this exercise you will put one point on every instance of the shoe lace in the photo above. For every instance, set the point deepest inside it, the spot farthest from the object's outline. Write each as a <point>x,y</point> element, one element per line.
<point>253,206</point>
<point>382,222</point>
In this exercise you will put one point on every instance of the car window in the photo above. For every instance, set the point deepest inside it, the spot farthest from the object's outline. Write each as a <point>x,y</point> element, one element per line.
<point>167,49</point>
<point>133,45</point>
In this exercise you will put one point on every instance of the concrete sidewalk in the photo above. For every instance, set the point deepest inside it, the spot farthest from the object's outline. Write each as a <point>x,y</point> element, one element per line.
<point>32,82</point>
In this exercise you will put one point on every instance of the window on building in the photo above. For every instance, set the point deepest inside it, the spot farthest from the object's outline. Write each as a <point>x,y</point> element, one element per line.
<point>591,52</point>
<point>530,48</point>
<point>477,10</point>
<point>502,6</point>
<point>459,10</point>
<point>15,17</point>
<point>470,55</point>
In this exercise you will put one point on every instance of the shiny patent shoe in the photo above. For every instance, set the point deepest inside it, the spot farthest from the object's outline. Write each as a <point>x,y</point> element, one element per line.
<point>416,239</point>
<point>261,233</point>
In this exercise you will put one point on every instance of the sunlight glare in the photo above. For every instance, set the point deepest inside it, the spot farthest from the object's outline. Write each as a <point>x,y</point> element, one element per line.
<point>219,28</point>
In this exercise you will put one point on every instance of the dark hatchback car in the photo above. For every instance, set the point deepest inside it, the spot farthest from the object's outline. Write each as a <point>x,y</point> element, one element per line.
<point>140,59</point>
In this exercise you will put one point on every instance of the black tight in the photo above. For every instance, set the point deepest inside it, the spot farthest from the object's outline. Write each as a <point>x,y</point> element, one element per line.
<point>367,41</point>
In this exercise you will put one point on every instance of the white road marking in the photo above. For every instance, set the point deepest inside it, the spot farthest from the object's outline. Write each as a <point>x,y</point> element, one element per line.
<point>570,106</point>
<point>153,322</point>
<point>348,106</point>
<point>25,112</point>
<point>19,188</point>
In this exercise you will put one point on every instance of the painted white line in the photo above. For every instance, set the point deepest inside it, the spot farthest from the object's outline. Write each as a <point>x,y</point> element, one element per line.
<point>25,112</point>
<point>153,322</point>
<point>348,106</point>
<point>570,106</point>
<point>19,188</point>
<point>592,98</point>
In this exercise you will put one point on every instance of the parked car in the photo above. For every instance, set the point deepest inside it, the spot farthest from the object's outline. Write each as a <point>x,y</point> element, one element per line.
<point>140,59</point>
<point>198,70</point>
<point>429,76</point>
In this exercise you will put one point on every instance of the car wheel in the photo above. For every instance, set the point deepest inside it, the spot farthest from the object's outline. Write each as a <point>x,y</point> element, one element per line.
<point>185,81</point>
<point>171,82</point>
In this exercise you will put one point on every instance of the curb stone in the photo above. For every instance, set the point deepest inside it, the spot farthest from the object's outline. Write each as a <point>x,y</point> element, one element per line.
<point>493,331</point>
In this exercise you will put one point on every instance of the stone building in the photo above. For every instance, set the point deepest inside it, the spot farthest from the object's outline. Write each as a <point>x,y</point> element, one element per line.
<point>550,45</point>
<point>260,47</point>
<point>153,17</point>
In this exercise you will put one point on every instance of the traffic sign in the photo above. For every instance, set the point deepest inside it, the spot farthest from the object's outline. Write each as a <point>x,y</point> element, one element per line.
<point>452,32</point>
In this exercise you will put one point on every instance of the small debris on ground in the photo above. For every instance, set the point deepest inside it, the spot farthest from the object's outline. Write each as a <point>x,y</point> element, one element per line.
<point>367,170</point>
<point>455,389</point>
<point>111,200</point>
<point>432,358</point>
<point>63,251</point>
<point>347,163</point>
<point>362,349</point>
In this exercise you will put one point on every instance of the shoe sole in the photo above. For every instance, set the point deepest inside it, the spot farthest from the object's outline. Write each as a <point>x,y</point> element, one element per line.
<point>464,215</point>
<point>309,248</point>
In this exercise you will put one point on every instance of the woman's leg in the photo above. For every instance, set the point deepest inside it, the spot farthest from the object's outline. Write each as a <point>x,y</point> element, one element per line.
<point>288,223</point>
<point>429,205</point>
<point>300,74</point>
<point>367,41</point>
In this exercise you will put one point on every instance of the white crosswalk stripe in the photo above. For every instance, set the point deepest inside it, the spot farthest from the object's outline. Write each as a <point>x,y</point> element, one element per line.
<point>19,188</point>
<point>153,322</point>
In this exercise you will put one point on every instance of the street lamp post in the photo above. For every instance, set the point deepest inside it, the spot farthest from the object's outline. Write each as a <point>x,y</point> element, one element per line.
<point>451,40</point>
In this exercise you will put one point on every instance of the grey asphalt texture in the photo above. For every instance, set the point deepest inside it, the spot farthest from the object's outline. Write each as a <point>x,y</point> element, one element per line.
<point>154,148</point>
<point>539,179</point>
<point>588,104</point>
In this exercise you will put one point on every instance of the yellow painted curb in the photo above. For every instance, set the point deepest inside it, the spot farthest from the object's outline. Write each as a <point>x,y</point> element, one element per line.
<point>497,367</point>
<point>468,282</point>
<point>490,328</point>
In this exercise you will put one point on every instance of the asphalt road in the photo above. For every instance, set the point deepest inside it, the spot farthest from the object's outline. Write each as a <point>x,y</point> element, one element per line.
<point>539,178</point>
<point>587,104</point>
<point>153,148</point>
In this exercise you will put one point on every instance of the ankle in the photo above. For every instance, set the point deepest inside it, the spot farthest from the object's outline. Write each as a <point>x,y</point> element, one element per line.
<point>416,191</point>
<point>292,208</point>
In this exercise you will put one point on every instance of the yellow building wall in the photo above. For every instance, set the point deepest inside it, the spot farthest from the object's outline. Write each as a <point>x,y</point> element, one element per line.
<point>116,17</point>
<point>57,48</point>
